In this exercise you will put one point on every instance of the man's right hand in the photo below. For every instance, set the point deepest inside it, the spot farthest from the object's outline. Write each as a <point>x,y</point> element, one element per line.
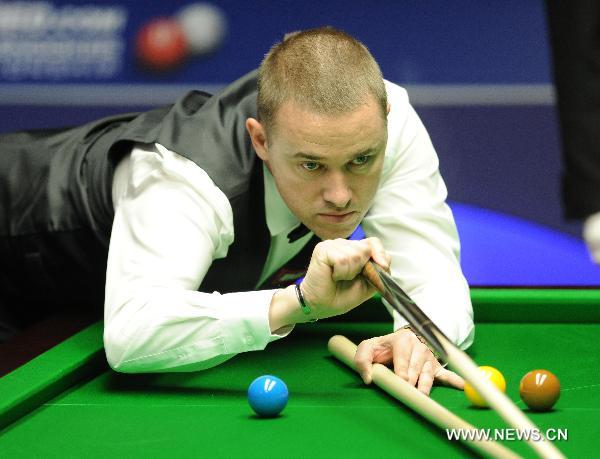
<point>333,284</point>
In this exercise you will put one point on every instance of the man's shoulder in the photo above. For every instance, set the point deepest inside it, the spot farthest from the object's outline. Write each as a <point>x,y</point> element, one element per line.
<point>396,93</point>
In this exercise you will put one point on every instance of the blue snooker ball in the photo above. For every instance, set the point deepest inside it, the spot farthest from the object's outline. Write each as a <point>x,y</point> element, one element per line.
<point>267,395</point>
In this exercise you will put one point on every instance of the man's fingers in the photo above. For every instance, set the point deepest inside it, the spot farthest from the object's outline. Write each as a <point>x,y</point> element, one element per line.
<point>346,258</point>
<point>412,361</point>
<point>449,378</point>
<point>402,349</point>
<point>378,253</point>
<point>347,261</point>
<point>363,360</point>
<point>426,378</point>
<point>417,361</point>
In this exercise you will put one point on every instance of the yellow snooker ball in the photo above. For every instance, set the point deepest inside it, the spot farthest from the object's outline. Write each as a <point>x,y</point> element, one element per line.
<point>494,376</point>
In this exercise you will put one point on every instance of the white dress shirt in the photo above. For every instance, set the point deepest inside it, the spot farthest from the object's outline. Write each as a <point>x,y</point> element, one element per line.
<point>171,222</point>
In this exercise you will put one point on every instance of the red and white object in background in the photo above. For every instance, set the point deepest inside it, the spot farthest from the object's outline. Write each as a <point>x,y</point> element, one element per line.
<point>161,44</point>
<point>204,25</point>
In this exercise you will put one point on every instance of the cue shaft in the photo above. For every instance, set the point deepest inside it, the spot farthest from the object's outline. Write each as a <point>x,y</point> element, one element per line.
<point>344,350</point>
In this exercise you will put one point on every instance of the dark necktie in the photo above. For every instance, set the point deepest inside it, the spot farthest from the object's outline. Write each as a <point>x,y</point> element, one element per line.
<point>297,233</point>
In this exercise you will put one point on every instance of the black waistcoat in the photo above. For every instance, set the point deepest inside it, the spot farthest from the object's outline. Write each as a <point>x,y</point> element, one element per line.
<point>56,208</point>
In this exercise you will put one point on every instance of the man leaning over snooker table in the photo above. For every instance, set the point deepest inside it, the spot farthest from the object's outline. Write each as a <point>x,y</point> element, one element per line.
<point>189,221</point>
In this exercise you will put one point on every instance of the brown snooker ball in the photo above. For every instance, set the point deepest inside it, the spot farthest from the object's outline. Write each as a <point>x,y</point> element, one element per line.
<point>539,390</point>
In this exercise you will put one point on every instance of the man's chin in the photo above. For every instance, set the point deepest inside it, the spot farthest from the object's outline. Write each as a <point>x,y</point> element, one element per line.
<point>337,233</point>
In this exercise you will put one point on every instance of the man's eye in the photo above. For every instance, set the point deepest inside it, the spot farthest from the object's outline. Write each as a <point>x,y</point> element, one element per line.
<point>310,166</point>
<point>361,160</point>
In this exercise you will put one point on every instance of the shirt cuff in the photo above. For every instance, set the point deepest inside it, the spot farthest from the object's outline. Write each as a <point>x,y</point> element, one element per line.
<point>245,327</point>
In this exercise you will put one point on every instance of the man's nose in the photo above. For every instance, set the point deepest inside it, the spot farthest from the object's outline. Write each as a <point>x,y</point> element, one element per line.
<point>336,190</point>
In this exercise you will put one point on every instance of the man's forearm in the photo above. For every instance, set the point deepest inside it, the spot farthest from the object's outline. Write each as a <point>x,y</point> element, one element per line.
<point>285,309</point>
<point>164,329</point>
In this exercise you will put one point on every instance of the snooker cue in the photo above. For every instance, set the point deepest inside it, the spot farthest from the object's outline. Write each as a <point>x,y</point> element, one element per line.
<point>344,350</point>
<point>456,358</point>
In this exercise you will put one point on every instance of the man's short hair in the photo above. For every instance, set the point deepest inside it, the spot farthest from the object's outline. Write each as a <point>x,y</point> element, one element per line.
<point>323,70</point>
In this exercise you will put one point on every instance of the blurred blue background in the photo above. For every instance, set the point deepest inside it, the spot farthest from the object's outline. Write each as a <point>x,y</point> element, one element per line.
<point>477,72</point>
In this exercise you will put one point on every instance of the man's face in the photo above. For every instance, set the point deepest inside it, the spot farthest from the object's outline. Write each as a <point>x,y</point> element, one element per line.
<point>326,169</point>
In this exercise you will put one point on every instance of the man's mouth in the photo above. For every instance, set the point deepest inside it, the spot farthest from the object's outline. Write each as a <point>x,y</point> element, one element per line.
<point>336,217</point>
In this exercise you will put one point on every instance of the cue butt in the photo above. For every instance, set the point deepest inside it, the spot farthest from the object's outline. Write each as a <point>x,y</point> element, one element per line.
<point>344,350</point>
<point>372,276</point>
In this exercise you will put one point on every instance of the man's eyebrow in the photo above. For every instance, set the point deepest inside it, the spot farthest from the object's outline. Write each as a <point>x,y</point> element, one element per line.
<point>310,156</point>
<point>313,157</point>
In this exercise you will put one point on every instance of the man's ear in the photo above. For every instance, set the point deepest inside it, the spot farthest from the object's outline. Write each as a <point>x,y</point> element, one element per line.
<point>258,136</point>
<point>389,107</point>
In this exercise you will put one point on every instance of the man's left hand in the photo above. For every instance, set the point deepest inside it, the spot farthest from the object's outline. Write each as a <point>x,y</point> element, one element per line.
<point>412,360</point>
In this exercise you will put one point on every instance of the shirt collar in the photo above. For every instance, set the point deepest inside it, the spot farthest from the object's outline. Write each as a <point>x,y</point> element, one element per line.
<point>279,217</point>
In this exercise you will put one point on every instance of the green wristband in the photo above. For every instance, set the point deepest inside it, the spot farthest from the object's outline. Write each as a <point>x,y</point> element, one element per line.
<point>305,308</point>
